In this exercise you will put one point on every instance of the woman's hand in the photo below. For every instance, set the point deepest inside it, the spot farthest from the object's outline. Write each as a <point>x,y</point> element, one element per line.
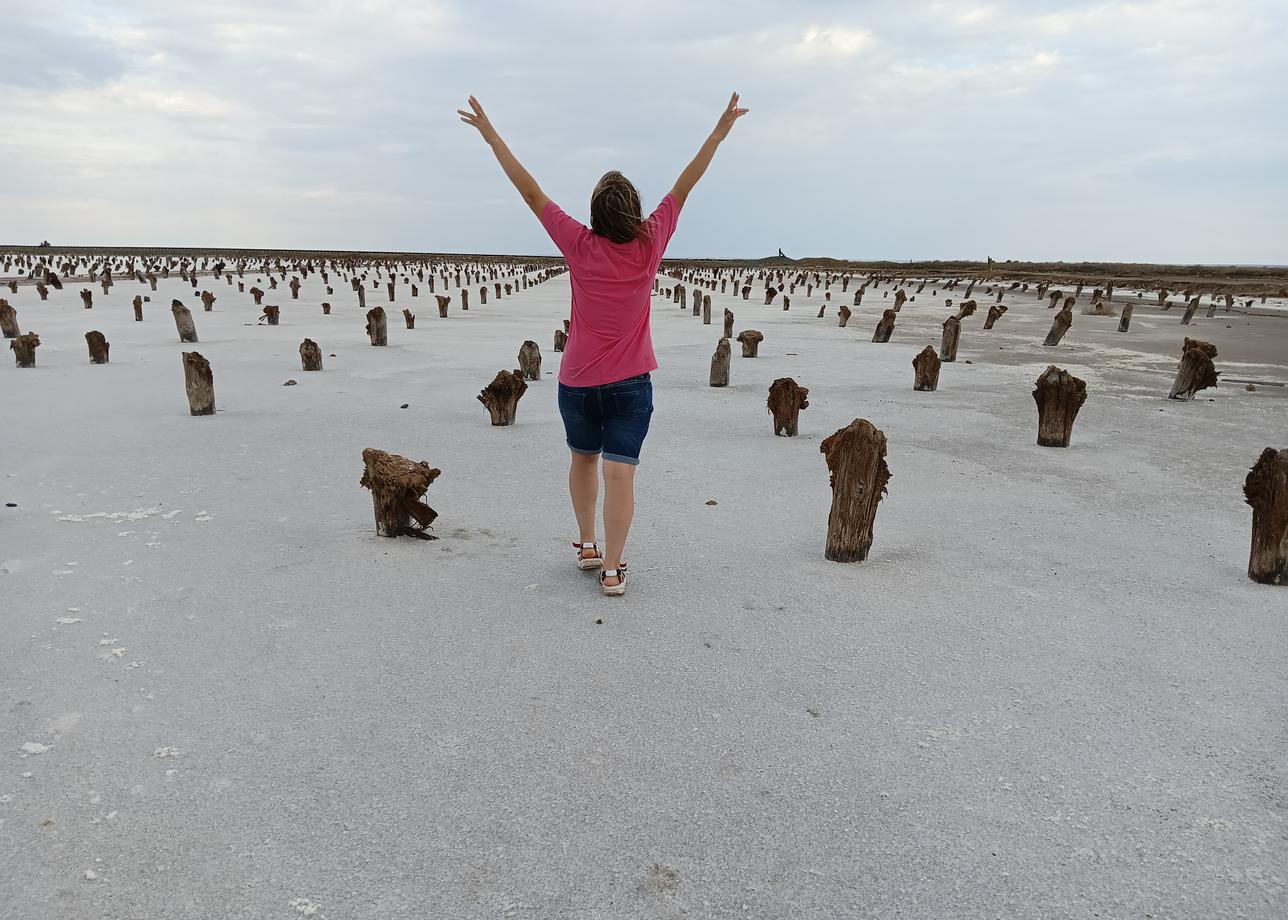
<point>731,114</point>
<point>478,118</point>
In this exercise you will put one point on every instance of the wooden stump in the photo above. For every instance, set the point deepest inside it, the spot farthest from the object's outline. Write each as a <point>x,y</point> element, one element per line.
<point>786,400</point>
<point>728,324</point>
<point>746,292</point>
<point>900,298</point>
<point>207,301</point>
<point>1190,309</point>
<point>530,360</point>
<point>750,340</point>
<point>925,370</point>
<point>326,309</point>
<point>501,396</point>
<point>390,288</point>
<point>856,460</point>
<point>377,326</point>
<point>1266,490</point>
<point>822,308</point>
<point>948,345</point>
<point>8,320</point>
<point>409,318</point>
<point>994,314</point>
<point>787,303</point>
<point>43,290</point>
<point>1124,321</point>
<point>138,308</point>
<point>482,295</point>
<point>310,355</point>
<point>24,349</point>
<point>87,298</point>
<point>257,294</point>
<point>770,294</point>
<point>966,309</point>
<point>98,347</point>
<point>706,309</point>
<point>398,487</point>
<point>200,384</point>
<point>1196,370</point>
<point>1059,396</point>
<point>720,364</point>
<point>183,322</point>
<point>561,339</point>
<point>843,315</point>
<point>444,300</point>
<point>271,313</point>
<point>362,297</point>
<point>1059,326</point>
<point>465,298</point>
<point>884,327</point>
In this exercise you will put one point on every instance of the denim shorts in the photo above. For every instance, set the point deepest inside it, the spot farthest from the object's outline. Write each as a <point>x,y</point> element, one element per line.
<point>611,419</point>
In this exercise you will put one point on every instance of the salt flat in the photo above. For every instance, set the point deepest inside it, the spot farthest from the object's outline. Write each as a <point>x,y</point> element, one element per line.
<point>1050,692</point>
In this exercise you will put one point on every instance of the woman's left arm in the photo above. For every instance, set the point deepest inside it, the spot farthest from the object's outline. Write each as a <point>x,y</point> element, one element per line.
<point>522,179</point>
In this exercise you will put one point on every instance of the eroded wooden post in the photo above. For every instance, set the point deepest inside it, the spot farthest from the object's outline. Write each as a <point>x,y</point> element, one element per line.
<point>207,301</point>
<point>948,344</point>
<point>310,355</point>
<point>444,301</point>
<point>271,314</point>
<point>530,360</point>
<point>706,308</point>
<point>87,298</point>
<point>409,318</point>
<point>1196,370</point>
<point>884,327</point>
<point>843,316</point>
<point>1059,395</point>
<point>925,370</point>
<point>257,294</point>
<point>1060,324</point>
<point>377,326</point>
<point>856,460</point>
<point>138,308</point>
<point>98,347</point>
<point>750,340</point>
<point>9,320</point>
<point>199,381</point>
<point>1266,490</point>
<point>1124,320</point>
<point>398,487</point>
<point>995,313</point>
<point>720,364</point>
<point>24,349</point>
<point>728,324</point>
<point>183,322</point>
<point>786,400</point>
<point>501,396</point>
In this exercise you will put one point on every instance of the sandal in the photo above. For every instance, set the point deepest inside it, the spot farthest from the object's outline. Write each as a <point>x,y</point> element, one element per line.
<point>587,563</point>
<point>618,589</point>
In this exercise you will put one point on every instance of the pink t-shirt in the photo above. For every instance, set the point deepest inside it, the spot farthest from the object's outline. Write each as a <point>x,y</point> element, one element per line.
<point>612,283</point>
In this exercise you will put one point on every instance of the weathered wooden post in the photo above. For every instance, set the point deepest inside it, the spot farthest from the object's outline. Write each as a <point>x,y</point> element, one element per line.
<point>199,381</point>
<point>389,286</point>
<point>377,326</point>
<point>138,308</point>
<point>750,340</point>
<point>530,360</point>
<point>362,297</point>
<point>843,316</point>
<point>207,301</point>
<point>1266,490</point>
<point>43,290</point>
<point>326,309</point>
<point>1124,320</point>
<point>98,347</point>
<point>87,298</point>
<point>257,294</point>
<point>1054,297</point>
<point>1190,309</point>
<point>966,309</point>
<point>770,294</point>
<point>465,298</point>
<point>482,295</point>
<point>1060,325</point>
<point>1196,370</point>
<point>9,320</point>
<point>183,322</point>
<point>728,324</point>
<point>720,364</point>
<point>271,314</point>
<point>787,303</point>
<point>24,349</point>
<point>786,400</point>
<point>310,355</point>
<point>948,345</point>
<point>856,460</point>
<point>925,370</point>
<point>994,314</point>
<point>501,396</point>
<point>561,339</point>
<point>409,318</point>
<point>706,308</point>
<point>900,298</point>
<point>885,326</point>
<point>444,300</point>
<point>1059,396</point>
<point>398,487</point>
<point>496,290</point>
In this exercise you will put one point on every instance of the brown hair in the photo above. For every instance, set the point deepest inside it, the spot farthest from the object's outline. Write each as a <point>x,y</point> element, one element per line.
<point>615,209</point>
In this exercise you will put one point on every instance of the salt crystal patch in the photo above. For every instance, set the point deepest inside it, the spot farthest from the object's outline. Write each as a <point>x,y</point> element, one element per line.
<point>304,907</point>
<point>166,751</point>
<point>68,621</point>
<point>91,874</point>
<point>34,747</point>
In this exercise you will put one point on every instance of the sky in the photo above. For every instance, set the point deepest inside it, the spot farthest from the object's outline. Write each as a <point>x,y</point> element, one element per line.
<point>1153,131</point>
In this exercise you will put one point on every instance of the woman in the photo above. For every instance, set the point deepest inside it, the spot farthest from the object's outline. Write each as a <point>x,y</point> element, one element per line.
<point>605,392</point>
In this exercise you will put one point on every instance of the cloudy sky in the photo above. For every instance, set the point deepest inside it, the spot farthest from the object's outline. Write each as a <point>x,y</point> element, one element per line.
<point>1026,129</point>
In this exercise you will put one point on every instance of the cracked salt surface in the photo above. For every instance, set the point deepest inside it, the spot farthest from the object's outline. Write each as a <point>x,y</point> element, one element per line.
<point>137,514</point>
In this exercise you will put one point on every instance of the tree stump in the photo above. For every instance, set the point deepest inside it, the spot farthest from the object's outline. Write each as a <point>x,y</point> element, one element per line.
<point>501,396</point>
<point>444,300</point>
<point>98,347</point>
<point>925,370</point>
<point>409,318</point>
<point>200,384</point>
<point>257,294</point>
<point>994,314</point>
<point>377,326</point>
<point>844,316</point>
<point>728,324</point>
<point>1266,490</point>
<point>1059,396</point>
<point>183,322</point>
<point>948,345</point>
<point>310,355</point>
<point>1060,325</point>
<point>786,400</point>
<point>720,364</point>
<point>398,487</point>
<point>24,349</point>
<point>271,313</point>
<point>884,327</point>
<point>561,339</point>
<point>138,308</point>
<point>1196,370</point>
<point>855,458</point>
<point>530,360</point>
<point>8,320</point>
<point>207,301</point>
<point>750,340</point>
<point>87,298</point>
<point>1124,321</point>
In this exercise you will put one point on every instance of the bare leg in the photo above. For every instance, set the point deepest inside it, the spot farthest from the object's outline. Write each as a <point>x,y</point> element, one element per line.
<point>583,486</point>
<point>619,508</point>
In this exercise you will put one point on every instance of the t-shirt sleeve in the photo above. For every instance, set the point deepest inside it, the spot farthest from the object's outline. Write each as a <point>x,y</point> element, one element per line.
<point>661,223</point>
<point>565,231</point>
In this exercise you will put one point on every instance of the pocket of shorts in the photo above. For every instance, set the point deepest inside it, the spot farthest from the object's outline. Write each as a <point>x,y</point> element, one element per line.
<point>638,400</point>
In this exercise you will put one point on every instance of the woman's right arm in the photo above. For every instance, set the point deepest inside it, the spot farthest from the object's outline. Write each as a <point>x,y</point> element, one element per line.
<point>693,172</point>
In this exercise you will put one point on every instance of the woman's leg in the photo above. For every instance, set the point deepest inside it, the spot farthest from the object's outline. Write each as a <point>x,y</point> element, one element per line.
<point>583,486</point>
<point>619,508</point>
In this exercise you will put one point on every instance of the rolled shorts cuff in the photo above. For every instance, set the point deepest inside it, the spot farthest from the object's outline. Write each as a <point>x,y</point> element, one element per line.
<point>584,452</point>
<point>619,458</point>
